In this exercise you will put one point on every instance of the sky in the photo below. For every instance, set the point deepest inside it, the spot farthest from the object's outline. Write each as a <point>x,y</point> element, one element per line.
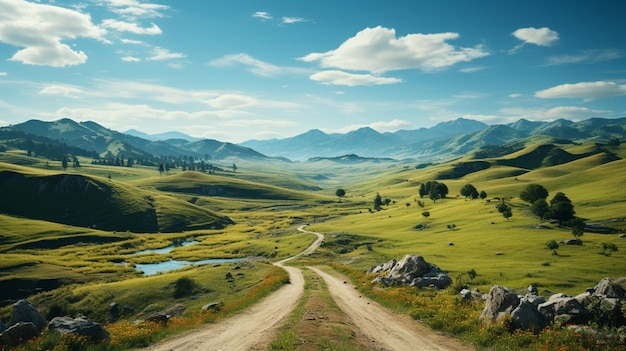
<point>236,70</point>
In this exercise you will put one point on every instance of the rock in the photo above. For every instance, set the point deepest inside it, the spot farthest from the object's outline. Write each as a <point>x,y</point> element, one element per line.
<point>159,318</point>
<point>500,301</point>
<point>532,289</point>
<point>606,288</point>
<point>2,327</point>
<point>527,317</point>
<point>622,235</point>
<point>79,326</point>
<point>18,333</point>
<point>409,268</point>
<point>176,310</point>
<point>564,309</point>
<point>23,311</point>
<point>466,294</point>
<point>213,306</point>
<point>573,242</point>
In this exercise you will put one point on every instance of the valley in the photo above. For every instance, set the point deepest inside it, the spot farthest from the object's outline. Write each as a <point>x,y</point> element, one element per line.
<point>68,234</point>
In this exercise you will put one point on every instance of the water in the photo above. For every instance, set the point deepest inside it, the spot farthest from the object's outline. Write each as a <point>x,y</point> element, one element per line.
<point>172,265</point>
<point>167,249</point>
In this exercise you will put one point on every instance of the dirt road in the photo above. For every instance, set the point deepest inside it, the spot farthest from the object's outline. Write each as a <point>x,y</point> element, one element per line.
<point>254,328</point>
<point>251,329</point>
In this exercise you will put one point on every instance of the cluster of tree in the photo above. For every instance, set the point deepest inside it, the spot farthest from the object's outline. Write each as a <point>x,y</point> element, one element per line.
<point>379,202</point>
<point>470,191</point>
<point>434,190</point>
<point>505,209</point>
<point>559,208</point>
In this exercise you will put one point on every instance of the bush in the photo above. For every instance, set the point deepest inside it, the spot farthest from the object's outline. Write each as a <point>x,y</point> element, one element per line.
<point>184,287</point>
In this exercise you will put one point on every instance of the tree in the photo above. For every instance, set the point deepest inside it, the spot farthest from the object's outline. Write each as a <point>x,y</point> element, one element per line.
<point>387,202</point>
<point>64,163</point>
<point>578,227</point>
<point>505,210</point>
<point>378,202</point>
<point>234,168</point>
<point>552,245</point>
<point>468,190</point>
<point>540,209</point>
<point>608,248</point>
<point>422,191</point>
<point>426,214</point>
<point>483,195</point>
<point>161,168</point>
<point>561,208</point>
<point>434,190</point>
<point>340,193</point>
<point>183,287</point>
<point>533,192</point>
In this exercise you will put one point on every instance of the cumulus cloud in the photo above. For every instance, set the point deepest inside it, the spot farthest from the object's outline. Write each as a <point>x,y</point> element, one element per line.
<point>262,15</point>
<point>586,56</point>
<point>134,28</point>
<point>160,54</point>
<point>257,66</point>
<point>536,36</point>
<point>379,50</point>
<point>134,9</point>
<point>41,30</point>
<point>583,90</point>
<point>334,77</point>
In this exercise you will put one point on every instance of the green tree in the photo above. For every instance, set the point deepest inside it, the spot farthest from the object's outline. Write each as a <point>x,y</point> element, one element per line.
<point>64,163</point>
<point>483,195</point>
<point>561,208</point>
<point>161,168</point>
<point>234,168</point>
<point>552,245</point>
<point>540,209</point>
<point>533,192</point>
<point>426,214</point>
<point>422,191</point>
<point>340,193</point>
<point>578,227</point>
<point>378,202</point>
<point>608,248</point>
<point>505,210</point>
<point>183,287</point>
<point>468,190</point>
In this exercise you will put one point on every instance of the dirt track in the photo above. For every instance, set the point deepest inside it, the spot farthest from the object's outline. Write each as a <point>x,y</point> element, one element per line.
<point>253,329</point>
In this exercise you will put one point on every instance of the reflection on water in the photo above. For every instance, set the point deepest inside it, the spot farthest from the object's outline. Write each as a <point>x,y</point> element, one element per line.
<point>156,268</point>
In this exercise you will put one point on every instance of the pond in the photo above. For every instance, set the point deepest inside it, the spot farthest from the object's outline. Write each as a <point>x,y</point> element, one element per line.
<point>172,265</point>
<point>166,249</point>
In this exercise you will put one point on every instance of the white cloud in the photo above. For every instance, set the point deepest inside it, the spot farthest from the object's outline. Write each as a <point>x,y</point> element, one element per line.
<point>257,66</point>
<point>2,74</point>
<point>291,20</point>
<point>262,15</point>
<point>134,28</point>
<point>62,90</point>
<point>159,54</point>
<point>237,101</point>
<point>586,56</point>
<point>41,30</point>
<point>131,59</point>
<point>515,95</point>
<point>378,50</point>
<point>334,77</point>
<point>134,9</point>
<point>390,126</point>
<point>133,42</point>
<point>472,69</point>
<point>583,90</point>
<point>537,36</point>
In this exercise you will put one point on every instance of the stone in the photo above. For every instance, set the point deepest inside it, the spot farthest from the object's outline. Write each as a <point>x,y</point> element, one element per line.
<point>176,310</point>
<point>23,311</point>
<point>18,333</point>
<point>532,289</point>
<point>466,294</point>
<point>563,308</point>
<point>409,268</point>
<point>213,306</point>
<point>79,326</point>
<point>159,318</point>
<point>499,302</point>
<point>527,317</point>
<point>606,288</point>
<point>573,242</point>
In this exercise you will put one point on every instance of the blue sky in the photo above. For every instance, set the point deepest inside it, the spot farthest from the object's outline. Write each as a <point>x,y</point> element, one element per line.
<point>239,70</point>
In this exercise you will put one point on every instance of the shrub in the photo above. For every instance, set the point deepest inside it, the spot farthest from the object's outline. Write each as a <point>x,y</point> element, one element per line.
<point>184,287</point>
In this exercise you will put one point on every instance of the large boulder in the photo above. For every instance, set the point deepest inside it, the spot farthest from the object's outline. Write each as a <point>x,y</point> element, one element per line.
<point>23,311</point>
<point>411,270</point>
<point>18,333</point>
<point>500,301</point>
<point>79,326</point>
<point>563,308</point>
<point>606,288</point>
<point>527,317</point>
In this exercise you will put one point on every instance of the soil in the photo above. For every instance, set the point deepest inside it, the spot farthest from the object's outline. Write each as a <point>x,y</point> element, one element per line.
<point>370,325</point>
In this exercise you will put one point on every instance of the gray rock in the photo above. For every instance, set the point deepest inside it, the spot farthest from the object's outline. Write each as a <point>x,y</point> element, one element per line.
<point>499,302</point>
<point>23,311</point>
<point>440,282</point>
<point>573,242</point>
<point>563,308</point>
<point>532,289</point>
<point>466,294</point>
<point>18,333</point>
<point>213,306</point>
<point>527,317</point>
<point>159,318</point>
<point>410,270</point>
<point>606,288</point>
<point>79,326</point>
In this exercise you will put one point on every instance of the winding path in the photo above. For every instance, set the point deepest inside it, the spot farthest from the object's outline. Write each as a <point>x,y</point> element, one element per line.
<point>254,328</point>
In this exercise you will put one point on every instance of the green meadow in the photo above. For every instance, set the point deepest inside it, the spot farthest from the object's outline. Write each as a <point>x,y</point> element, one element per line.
<point>81,261</point>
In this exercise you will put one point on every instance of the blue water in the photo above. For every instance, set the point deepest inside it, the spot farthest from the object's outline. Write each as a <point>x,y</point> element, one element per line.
<point>167,249</point>
<point>172,265</point>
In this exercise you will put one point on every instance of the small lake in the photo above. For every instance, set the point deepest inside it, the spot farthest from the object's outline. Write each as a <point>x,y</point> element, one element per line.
<point>166,249</point>
<point>172,265</point>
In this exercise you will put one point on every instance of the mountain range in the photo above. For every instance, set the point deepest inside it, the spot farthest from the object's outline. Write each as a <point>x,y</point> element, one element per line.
<point>444,141</point>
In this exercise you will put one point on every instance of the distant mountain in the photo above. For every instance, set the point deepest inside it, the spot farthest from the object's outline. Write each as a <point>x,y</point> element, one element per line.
<point>161,136</point>
<point>351,159</point>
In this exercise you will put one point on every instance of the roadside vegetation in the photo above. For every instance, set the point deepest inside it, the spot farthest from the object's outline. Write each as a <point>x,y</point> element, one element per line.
<point>369,214</point>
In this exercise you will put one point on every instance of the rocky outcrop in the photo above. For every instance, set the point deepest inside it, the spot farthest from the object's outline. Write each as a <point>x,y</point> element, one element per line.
<point>79,326</point>
<point>17,334</point>
<point>23,311</point>
<point>601,305</point>
<point>411,270</point>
